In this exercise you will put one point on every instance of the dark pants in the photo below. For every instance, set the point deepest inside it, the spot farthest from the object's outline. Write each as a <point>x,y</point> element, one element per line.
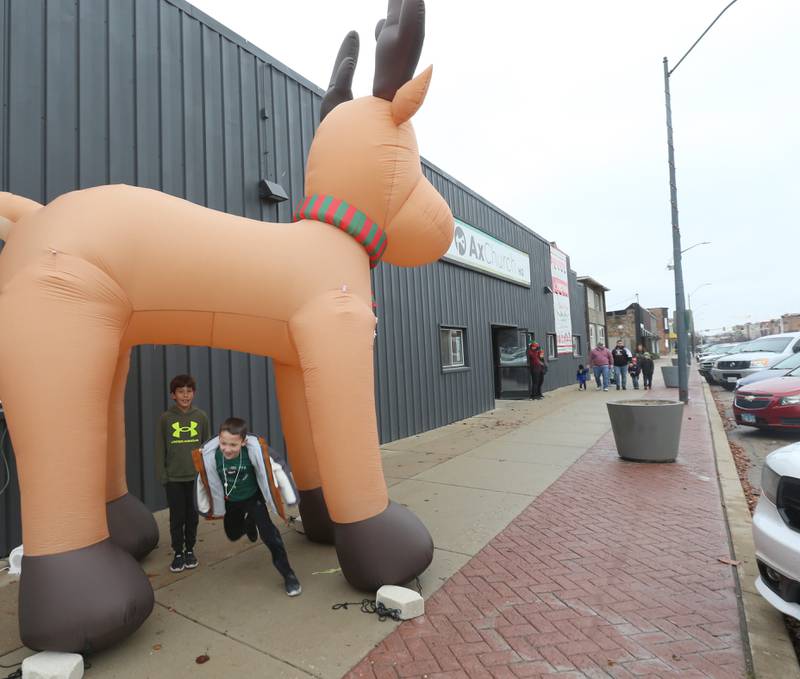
<point>238,514</point>
<point>537,379</point>
<point>648,380</point>
<point>182,515</point>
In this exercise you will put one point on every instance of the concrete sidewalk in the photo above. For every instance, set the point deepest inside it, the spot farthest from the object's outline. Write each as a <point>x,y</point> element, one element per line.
<point>494,494</point>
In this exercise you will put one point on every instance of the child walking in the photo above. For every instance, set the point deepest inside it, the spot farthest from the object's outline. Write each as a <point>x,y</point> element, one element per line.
<point>582,376</point>
<point>634,370</point>
<point>181,429</point>
<point>239,481</point>
<point>647,370</point>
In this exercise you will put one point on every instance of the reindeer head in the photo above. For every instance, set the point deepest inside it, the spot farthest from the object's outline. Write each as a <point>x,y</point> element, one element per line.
<point>365,151</point>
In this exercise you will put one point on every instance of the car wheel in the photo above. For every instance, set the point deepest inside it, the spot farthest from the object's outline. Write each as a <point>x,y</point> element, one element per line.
<point>729,386</point>
<point>709,379</point>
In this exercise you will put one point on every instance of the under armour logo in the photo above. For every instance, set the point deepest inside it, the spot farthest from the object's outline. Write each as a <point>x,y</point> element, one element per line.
<point>177,429</point>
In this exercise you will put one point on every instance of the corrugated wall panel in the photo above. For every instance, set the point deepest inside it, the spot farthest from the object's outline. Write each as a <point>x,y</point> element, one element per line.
<point>154,93</point>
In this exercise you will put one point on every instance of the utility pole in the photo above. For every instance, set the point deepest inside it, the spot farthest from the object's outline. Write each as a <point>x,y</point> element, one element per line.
<point>680,302</point>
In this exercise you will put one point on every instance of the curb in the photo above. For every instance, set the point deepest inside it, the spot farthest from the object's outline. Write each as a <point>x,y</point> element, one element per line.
<point>767,640</point>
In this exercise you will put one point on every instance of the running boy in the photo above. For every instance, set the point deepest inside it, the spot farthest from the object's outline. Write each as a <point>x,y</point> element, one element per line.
<point>238,480</point>
<point>180,430</point>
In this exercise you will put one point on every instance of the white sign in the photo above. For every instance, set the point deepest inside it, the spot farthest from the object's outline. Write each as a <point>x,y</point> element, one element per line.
<point>475,249</point>
<point>560,274</point>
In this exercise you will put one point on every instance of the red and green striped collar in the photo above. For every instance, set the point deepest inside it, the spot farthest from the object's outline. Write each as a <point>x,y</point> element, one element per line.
<point>345,217</point>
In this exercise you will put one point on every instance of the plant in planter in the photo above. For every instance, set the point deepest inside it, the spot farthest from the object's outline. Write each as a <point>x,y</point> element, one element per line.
<point>646,430</point>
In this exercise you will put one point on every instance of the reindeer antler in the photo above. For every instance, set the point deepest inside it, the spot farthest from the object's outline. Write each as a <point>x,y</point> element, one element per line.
<point>399,39</point>
<point>341,85</point>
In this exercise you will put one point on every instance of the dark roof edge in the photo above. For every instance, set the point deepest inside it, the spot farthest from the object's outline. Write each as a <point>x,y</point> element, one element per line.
<point>592,281</point>
<point>488,203</point>
<point>234,37</point>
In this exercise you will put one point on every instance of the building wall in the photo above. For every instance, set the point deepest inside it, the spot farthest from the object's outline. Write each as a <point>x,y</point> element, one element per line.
<point>154,93</point>
<point>791,322</point>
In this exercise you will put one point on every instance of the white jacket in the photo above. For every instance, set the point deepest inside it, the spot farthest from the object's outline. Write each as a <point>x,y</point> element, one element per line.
<point>275,485</point>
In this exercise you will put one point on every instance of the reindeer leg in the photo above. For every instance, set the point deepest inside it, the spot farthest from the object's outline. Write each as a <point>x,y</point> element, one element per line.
<point>58,351</point>
<point>317,522</point>
<point>131,524</point>
<point>377,542</point>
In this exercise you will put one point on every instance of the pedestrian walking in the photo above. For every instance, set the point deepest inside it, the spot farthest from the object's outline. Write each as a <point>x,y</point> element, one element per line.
<point>621,357</point>
<point>537,368</point>
<point>582,376</point>
<point>634,370</point>
<point>600,361</point>
<point>648,367</point>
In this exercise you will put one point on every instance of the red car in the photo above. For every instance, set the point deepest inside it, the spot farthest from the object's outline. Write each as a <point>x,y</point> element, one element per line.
<point>770,403</point>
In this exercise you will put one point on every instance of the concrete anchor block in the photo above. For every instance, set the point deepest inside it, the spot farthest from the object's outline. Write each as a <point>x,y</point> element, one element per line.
<point>407,601</point>
<point>52,665</point>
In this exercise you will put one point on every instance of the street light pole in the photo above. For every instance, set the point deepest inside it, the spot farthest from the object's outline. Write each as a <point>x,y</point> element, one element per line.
<point>680,302</point>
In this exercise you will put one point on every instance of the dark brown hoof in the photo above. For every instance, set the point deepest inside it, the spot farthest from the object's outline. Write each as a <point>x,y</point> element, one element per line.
<point>317,522</point>
<point>388,549</point>
<point>132,526</point>
<point>83,600</point>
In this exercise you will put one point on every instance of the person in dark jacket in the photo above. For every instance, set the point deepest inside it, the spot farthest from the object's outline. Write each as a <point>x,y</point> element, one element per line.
<point>648,367</point>
<point>621,358</point>
<point>537,368</point>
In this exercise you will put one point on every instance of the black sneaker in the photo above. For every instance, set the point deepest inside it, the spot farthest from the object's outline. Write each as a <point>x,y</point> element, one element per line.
<point>190,560</point>
<point>251,529</point>
<point>178,564</point>
<point>292,585</point>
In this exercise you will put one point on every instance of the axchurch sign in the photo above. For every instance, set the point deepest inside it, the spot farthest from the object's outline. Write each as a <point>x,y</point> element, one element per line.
<point>475,249</point>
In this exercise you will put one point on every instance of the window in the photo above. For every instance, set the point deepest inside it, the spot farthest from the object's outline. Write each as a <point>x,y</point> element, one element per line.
<point>576,345</point>
<point>551,346</point>
<point>451,347</point>
<point>592,335</point>
<point>592,296</point>
<point>601,334</point>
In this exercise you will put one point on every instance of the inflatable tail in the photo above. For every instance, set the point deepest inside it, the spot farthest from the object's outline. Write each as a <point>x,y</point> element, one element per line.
<point>12,209</point>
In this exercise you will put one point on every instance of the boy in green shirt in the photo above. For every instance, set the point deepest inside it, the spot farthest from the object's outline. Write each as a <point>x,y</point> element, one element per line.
<point>237,481</point>
<point>181,429</point>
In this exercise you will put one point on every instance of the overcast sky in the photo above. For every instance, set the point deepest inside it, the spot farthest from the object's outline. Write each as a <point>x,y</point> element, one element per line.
<point>554,112</point>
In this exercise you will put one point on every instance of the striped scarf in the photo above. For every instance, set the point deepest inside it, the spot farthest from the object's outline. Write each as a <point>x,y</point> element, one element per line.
<point>345,217</point>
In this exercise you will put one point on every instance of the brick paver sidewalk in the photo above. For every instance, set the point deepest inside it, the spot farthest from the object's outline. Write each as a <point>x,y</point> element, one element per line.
<point>612,571</point>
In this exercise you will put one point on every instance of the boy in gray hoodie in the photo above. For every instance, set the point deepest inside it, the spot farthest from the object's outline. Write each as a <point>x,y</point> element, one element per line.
<point>181,429</point>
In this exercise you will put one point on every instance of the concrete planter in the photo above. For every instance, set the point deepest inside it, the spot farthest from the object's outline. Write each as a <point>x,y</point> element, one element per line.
<point>674,361</point>
<point>670,375</point>
<point>647,430</point>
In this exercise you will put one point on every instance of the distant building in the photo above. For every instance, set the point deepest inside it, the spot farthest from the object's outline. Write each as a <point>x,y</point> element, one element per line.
<point>664,328</point>
<point>596,330</point>
<point>790,323</point>
<point>634,325</point>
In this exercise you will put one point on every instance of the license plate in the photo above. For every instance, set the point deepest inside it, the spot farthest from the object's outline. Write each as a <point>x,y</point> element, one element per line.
<point>731,378</point>
<point>749,417</point>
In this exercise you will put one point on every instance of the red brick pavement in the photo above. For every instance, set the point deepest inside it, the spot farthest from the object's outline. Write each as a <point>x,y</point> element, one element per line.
<point>612,572</point>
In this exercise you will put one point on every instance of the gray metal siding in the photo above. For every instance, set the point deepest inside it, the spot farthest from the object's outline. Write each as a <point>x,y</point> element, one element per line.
<point>154,93</point>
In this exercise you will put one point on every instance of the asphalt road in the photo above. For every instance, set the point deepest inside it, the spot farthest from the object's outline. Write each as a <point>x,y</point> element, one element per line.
<point>757,443</point>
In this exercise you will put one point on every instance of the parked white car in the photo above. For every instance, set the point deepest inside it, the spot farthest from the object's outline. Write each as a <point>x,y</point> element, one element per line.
<point>776,523</point>
<point>760,354</point>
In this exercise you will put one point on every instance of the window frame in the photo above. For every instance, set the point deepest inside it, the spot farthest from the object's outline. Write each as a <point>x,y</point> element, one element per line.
<point>464,365</point>
<point>576,346</point>
<point>552,343</point>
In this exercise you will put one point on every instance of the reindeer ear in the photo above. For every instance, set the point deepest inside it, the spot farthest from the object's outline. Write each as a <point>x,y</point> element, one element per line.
<point>410,96</point>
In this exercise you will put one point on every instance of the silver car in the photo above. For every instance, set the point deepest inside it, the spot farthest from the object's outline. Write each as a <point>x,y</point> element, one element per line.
<point>760,354</point>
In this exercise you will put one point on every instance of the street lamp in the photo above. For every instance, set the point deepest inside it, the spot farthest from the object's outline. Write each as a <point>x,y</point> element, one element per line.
<point>671,266</point>
<point>680,306</point>
<point>691,313</point>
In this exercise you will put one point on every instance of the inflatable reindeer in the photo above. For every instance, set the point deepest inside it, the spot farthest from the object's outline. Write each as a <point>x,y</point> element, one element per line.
<point>95,273</point>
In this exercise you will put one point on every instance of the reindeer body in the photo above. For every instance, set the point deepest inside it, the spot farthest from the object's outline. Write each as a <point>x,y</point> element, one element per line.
<point>99,271</point>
